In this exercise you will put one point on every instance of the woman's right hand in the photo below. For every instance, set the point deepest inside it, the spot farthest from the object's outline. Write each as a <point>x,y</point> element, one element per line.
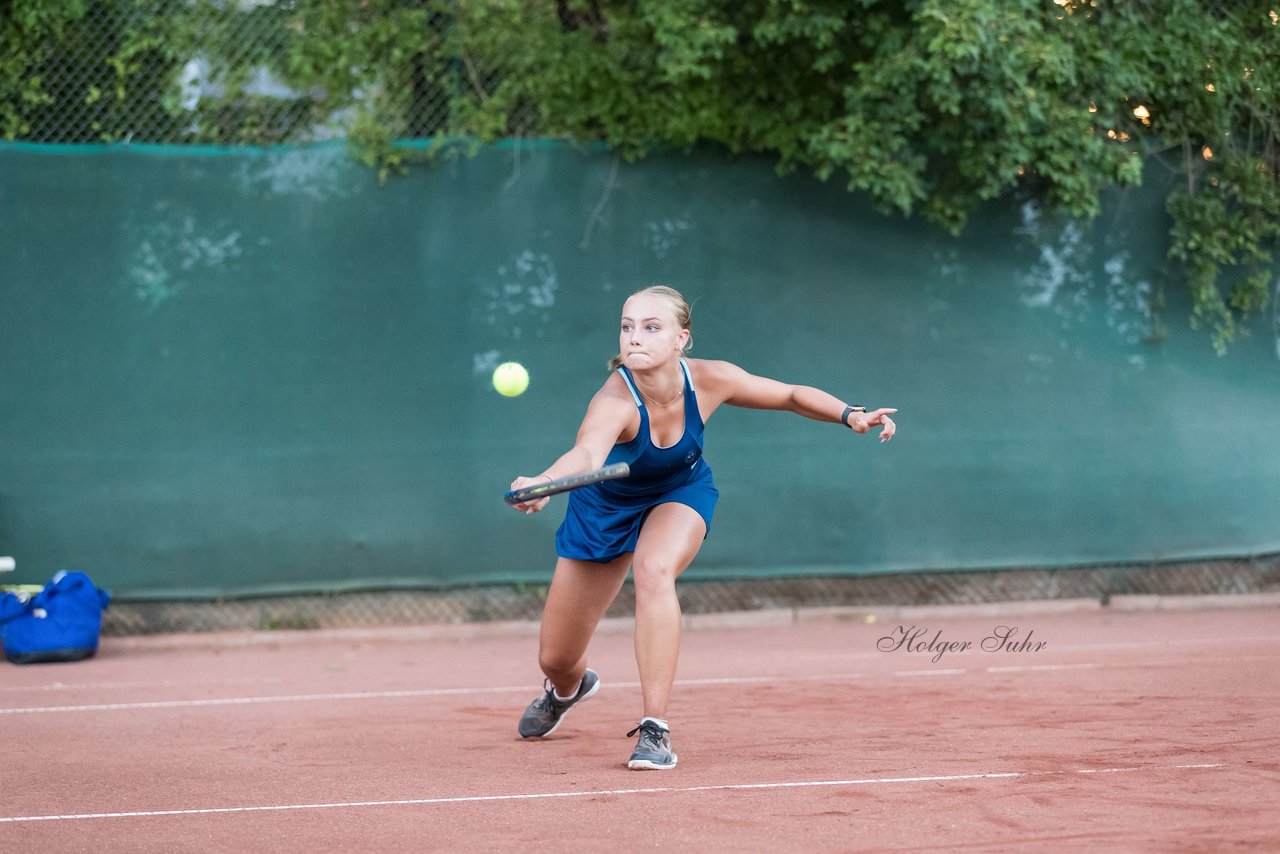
<point>530,507</point>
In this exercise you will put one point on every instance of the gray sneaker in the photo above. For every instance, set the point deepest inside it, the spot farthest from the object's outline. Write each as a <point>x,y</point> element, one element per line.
<point>545,713</point>
<point>653,750</point>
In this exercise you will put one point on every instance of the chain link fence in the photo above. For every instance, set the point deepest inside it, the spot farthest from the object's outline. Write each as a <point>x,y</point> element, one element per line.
<point>254,72</point>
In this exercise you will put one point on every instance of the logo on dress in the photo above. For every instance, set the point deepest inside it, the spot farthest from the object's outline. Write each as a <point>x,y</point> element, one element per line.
<point>691,458</point>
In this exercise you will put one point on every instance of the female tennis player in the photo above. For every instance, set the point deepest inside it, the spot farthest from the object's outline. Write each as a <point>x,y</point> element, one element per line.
<point>650,414</point>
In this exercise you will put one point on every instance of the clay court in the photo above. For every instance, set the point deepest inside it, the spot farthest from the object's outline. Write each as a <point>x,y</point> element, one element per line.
<point>1130,728</point>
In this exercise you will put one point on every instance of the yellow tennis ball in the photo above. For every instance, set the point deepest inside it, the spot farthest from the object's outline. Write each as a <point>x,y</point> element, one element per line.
<point>510,379</point>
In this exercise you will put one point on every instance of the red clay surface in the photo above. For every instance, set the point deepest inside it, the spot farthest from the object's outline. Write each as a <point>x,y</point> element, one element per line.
<point>1126,731</point>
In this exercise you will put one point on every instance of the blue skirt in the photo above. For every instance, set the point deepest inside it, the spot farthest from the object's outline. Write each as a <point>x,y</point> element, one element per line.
<point>602,523</point>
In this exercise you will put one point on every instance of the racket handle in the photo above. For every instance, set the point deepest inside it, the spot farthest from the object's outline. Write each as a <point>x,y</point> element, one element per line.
<point>564,484</point>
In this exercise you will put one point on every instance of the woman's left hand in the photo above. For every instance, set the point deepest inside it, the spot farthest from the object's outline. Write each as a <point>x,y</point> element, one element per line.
<point>861,422</point>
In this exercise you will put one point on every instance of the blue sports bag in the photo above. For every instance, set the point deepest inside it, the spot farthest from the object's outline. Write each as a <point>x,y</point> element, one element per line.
<point>60,623</point>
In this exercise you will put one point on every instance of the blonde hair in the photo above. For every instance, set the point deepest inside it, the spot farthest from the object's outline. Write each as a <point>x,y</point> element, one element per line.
<point>679,307</point>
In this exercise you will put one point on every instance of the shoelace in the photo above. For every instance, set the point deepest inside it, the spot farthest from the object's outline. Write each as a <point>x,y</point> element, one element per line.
<point>649,731</point>
<point>548,700</point>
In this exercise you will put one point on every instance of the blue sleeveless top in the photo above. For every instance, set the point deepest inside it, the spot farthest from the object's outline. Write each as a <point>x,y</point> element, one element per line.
<point>603,520</point>
<point>655,469</point>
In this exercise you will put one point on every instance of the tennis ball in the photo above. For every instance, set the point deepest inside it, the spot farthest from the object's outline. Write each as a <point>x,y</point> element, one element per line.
<point>510,379</point>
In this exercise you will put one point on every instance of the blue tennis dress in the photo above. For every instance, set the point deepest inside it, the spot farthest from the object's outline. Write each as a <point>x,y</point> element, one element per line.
<point>603,519</point>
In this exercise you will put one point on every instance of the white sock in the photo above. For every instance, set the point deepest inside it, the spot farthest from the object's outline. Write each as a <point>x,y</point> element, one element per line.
<point>572,693</point>
<point>659,721</point>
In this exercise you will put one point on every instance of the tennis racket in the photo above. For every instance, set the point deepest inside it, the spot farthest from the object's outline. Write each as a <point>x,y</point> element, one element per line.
<point>564,484</point>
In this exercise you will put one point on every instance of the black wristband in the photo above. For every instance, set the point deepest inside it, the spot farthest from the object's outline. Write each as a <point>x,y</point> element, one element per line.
<point>844,416</point>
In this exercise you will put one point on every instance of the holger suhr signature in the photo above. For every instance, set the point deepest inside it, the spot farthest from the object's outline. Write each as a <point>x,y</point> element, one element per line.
<point>916,639</point>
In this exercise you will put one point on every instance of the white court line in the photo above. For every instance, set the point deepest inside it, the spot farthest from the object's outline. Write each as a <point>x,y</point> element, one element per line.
<point>743,680</point>
<point>1177,662</point>
<point>1045,668</point>
<point>385,695</point>
<point>150,683</point>
<point>1179,642</point>
<point>1057,647</point>
<point>523,689</point>
<point>249,701</point>
<point>275,680</point>
<point>1029,668</point>
<point>730,787</point>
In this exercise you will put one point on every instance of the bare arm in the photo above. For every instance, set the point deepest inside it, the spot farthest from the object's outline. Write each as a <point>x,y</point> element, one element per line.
<point>610,412</point>
<point>736,387</point>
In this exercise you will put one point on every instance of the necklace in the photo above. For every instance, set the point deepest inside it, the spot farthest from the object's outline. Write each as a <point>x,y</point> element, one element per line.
<point>679,394</point>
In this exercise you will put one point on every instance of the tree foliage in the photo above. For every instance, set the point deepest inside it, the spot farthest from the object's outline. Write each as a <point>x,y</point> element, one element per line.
<point>929,107</point>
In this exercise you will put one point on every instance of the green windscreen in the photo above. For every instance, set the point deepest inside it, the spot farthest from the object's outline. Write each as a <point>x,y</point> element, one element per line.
<point>226,372</point>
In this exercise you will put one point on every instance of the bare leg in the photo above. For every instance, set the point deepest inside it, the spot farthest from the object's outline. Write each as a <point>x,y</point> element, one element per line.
<point>581,591</point>
<point>670,539</point>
